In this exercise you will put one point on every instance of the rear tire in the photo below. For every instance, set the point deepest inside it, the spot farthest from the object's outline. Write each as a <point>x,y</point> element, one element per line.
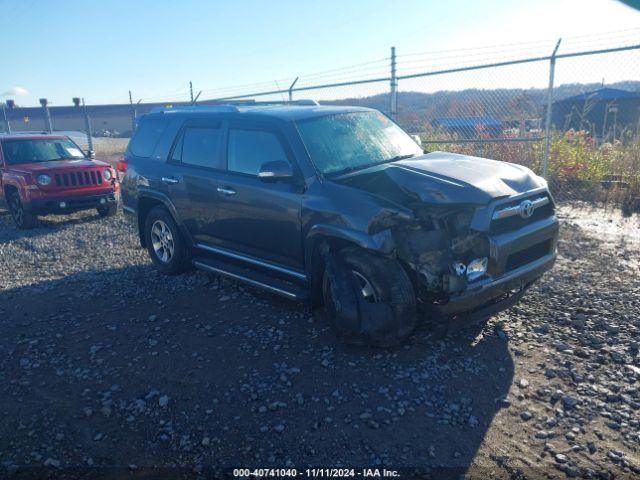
<point>21,217</point>
<point>165,243</point>
<point>377,304</point>
<point>108,210</point>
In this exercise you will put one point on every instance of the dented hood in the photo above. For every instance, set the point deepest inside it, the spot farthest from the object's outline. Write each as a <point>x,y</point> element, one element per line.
<point>443,178</point>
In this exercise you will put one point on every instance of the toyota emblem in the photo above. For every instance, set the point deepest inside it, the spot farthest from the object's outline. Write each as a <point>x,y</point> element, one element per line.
<point>526,208</point>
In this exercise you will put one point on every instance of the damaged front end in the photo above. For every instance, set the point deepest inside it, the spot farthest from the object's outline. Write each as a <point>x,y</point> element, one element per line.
<point>442,250</point>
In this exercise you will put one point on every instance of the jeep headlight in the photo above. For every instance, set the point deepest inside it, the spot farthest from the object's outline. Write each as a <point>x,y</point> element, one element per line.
<point>43,180</point>
<point>107,174</point>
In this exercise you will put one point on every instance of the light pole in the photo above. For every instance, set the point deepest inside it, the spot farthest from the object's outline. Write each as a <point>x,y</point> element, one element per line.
<point>47,117</point>
<point>7,125</point>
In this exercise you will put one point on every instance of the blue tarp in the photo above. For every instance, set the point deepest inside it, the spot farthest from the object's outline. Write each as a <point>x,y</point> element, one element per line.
<point>460,122</point>
<point>603,94</point>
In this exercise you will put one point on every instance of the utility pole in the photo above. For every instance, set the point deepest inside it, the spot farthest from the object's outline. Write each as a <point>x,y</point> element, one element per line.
<point>393,107</point>
<point>191,91</point>
<point>47,116</point>
<point>547,122</point>
<point>133,113</point>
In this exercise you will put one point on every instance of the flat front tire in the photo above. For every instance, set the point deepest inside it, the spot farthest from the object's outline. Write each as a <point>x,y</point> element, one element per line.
<point>164,242</point>
<point>369,297</point>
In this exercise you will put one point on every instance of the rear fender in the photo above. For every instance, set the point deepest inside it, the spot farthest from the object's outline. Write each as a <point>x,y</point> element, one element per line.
<point>165,201</point>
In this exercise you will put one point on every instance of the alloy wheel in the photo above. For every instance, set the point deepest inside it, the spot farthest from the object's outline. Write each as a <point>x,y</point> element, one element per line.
<point>162,241</point>
<point>366,289</point>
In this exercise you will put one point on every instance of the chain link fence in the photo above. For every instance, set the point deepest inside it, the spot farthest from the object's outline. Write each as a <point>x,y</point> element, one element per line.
<point>570,113</point>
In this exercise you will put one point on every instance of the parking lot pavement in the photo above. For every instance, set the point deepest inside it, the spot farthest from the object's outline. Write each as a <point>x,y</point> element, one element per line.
<point>106,364</point>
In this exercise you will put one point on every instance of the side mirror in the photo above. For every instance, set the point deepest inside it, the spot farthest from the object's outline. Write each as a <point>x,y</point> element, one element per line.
<point>92,154</point>
<point>417,139</point>
<point>276,170</point>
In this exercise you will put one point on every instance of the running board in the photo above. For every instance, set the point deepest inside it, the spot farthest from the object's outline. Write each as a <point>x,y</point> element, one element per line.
<point>250,277</point>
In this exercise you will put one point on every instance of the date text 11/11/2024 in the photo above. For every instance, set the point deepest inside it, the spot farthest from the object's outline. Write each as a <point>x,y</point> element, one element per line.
<point>315,473</point>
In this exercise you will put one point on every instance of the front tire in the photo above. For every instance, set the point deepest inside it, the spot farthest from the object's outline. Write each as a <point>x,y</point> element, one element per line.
<point>21,217</point>
<point>165,243</point>
<point>369,297</point>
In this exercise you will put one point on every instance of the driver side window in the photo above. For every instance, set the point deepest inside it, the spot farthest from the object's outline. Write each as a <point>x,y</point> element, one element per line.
<point>249,149</point>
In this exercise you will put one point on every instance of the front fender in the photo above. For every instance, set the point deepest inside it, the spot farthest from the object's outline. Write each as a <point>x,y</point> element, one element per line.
<point>381,242</point>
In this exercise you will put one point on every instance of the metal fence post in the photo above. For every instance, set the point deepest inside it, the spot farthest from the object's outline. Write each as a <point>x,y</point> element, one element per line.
<point>87,126</point>
<point>393,107</point>
<point>291,89</point>
<point>547,121</point>
<point>133,113</point>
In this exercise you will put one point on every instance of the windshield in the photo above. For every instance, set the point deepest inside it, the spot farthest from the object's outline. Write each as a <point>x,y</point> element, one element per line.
<point>45,150</point>
<point>349,141</point>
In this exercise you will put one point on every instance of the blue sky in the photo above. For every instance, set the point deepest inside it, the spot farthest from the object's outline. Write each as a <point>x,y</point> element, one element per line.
<point>101,49</point>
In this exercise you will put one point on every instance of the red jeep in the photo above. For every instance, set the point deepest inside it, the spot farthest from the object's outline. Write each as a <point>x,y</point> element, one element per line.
<point>42,174</point>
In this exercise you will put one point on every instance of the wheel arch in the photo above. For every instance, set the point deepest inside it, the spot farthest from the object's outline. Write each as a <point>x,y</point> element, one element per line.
<point>147,200</point>
<point>334,238</point>
<point>9,189</point>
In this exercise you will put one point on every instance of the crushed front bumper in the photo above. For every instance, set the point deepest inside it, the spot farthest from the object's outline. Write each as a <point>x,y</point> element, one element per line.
<point>493,295</point>
<point>517,259</point>
<point>69,204</point>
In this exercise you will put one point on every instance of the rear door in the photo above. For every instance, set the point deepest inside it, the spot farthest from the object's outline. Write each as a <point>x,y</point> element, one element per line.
<point>253,217</point>
<point>198,159</point>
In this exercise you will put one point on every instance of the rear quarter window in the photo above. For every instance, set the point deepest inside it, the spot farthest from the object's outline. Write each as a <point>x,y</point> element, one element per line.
<point>146,136</point>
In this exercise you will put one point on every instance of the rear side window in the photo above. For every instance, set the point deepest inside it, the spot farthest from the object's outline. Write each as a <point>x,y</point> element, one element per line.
<point>199,146</point>
<point>250,149</point>
<point>146,137</point>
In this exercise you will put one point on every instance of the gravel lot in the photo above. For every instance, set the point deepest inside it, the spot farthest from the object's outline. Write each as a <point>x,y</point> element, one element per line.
<point>107,367</point>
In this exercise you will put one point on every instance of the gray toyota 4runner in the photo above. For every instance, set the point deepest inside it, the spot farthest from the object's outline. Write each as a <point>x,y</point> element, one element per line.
<point>338,206</point>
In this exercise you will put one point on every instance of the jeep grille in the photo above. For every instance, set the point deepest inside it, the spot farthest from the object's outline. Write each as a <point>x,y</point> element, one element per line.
<point>80,178</point>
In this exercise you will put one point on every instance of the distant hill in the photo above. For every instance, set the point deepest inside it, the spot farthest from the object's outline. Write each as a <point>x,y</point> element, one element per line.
<point>416,110</point>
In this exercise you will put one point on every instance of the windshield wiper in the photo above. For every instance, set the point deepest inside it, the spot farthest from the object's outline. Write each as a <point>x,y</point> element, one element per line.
<point>353,168</point>
<point>398,157</point>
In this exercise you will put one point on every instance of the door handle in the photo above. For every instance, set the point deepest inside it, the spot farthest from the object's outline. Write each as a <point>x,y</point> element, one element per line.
<point>169,180</point>
<point>226,191</point>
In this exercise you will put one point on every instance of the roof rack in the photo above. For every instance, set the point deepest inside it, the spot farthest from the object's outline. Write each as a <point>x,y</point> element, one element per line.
<point>196,108</point>
<point>251,101</point>
<point>230,106</point>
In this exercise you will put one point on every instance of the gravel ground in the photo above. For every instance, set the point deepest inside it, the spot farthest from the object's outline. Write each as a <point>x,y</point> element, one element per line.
<point>105,364</point>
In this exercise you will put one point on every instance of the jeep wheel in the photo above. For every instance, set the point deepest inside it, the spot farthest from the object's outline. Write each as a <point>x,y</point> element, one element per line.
<point>165,244</point>
<point>107,210</point>
<point>369,297</point>
<point>21,217</point>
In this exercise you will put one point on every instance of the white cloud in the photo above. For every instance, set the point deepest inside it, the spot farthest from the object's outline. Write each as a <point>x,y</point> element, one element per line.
<point>15,92</point>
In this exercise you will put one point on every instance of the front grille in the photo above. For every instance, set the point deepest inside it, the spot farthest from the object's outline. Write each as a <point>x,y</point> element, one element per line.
<point>80,178</point>
<point>515,222</point>
<point>528,255</point>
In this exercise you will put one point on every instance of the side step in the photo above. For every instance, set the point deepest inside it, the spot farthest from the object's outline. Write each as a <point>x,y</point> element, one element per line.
<point>250,277</point>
